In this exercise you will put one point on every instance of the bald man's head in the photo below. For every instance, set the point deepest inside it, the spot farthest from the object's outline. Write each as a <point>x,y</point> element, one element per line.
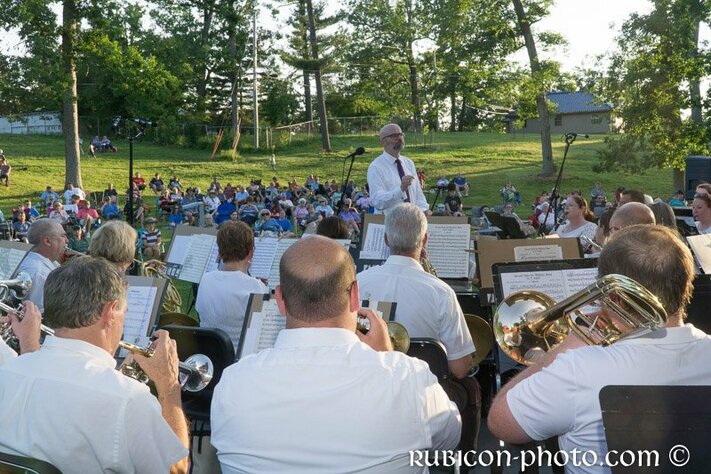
<point>631,213</point>
<point>316,275</point>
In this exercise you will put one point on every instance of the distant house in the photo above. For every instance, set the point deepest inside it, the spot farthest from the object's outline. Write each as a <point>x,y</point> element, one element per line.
<point>43,123</point>
<point>577,112</point>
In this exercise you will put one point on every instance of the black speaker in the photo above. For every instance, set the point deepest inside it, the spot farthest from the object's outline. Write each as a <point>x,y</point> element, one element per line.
<point>698,170</point>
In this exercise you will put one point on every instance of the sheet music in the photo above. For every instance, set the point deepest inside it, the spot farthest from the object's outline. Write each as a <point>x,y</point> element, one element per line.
<point>263,328</point>
<point>197,257</point>
<point>178,249</point>
<point>538,252</point>
<point>446,249</point>
<point>374,244</point>
<point>264,251</point>
<point>701,248</point>
<point>9,261</point>
<point>141,300</point>
<point>281,247</point>
<point>558,284</point>
<point>213,261</point>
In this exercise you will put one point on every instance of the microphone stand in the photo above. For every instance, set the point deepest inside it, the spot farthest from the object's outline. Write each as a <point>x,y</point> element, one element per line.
<point>339,204</point>
<point>437,193</point>
<point>569,139</point>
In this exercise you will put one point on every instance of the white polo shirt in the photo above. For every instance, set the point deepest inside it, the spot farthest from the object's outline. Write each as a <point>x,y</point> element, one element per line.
<point>321,401</point>
<point>426,305</point>
<point>563,399</point>
<point>67,404</point>
<point>222,300</point>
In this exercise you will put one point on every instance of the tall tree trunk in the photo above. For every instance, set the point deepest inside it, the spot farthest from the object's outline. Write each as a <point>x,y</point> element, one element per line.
<point>548,168</point>
<point>203,79</point>
<point>453,105</point>
<point>303,24</point>
<point>325,138</point>
<point>463,113</point>
<point>70,115</point>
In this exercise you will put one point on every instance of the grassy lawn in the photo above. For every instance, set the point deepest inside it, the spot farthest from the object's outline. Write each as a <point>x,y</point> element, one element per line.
<point>488,160</point>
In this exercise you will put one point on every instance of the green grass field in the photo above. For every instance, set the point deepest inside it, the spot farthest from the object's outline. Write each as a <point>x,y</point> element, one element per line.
<point>488,160</point>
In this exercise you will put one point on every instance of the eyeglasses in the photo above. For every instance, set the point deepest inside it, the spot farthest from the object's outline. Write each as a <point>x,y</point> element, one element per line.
<point>395,135</point>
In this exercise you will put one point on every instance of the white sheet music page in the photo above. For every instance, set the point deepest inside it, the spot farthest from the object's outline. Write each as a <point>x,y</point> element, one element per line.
<point>197,257</point>
<point>264,251</point>
<point>446,249</point>
<point>538,252</point>
<point>701,248</point>
<point>176,256</point>
<point>263,329</point>
<point>141,300</point>
<point>9,261</point>
<point>281,247</point>
<point>374,244</point>
<point>550,282</point>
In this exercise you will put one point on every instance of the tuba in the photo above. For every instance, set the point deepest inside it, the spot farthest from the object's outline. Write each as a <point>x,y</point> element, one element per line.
<point>195,373</point>
<point>528,324</point>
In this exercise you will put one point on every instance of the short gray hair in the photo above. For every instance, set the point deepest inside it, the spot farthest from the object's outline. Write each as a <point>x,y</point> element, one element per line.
<point>42,228</point>
<point>115,241</point>
<point>76,292</point>
<point>405,227</point>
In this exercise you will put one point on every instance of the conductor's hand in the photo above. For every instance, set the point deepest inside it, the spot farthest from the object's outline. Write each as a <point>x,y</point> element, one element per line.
<point>405,182</point>
<point>27,330</point>
<point>378,337</point>
<point>162,368</point>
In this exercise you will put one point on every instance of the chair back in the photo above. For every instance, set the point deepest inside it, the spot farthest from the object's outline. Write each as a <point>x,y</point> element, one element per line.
<point>13,464</point>
<point>433,352</point>
<point>674,421</point>
<point>217,346</point>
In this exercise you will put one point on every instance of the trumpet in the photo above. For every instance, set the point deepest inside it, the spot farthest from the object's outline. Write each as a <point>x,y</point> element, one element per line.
<point>12,291</point>
<point>195,373</point>
<point>528,324</point>
<point>589,245</point>
<point>397,332</point>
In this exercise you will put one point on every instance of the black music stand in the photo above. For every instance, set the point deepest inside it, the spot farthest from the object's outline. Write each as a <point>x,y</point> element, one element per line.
<point>661,418</point>
<point>510,228</point>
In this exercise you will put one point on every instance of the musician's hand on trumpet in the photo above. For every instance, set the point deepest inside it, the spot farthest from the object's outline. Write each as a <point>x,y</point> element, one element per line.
<point>27,329</point>
<point>377,336</point>
<point>162,366</point>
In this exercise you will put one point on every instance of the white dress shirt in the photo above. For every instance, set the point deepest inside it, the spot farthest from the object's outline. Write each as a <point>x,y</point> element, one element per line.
<point>67,404</point>
<point>222,300</point>
<point>321,401</point>
<point>384,184</point>
<point>426,305</point>
<point>563,398</point>
<point>72,192</point>
<point>37,267</point>
<point>5,352</point>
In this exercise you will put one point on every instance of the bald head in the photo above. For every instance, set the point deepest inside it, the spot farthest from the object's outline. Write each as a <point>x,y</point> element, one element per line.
<point>42,228</point>
<point>631,213</point>
<point>316,275</point>
<point>392,139</point>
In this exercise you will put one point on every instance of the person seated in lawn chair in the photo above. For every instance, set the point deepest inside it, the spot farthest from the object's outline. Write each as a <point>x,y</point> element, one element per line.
<point>87,216</point>
<point>106,145</point>
<point>462,185</point>
<point>509,193</point>
<point>110,210</point>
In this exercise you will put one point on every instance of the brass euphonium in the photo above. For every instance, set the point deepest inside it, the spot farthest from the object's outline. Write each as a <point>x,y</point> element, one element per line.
<point>397,332</point>
<point>527,324</point>
<point>195,373</point>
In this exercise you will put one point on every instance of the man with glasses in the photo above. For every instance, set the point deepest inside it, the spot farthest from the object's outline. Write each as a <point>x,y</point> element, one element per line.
<point>392,178</point>
<point>49,240</point>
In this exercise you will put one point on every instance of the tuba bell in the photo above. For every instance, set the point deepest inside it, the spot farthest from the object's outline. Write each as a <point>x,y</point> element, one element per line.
<point>529,323</point>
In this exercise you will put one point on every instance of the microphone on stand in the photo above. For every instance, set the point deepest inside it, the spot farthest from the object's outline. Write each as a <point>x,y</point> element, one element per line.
<point>359,151</point>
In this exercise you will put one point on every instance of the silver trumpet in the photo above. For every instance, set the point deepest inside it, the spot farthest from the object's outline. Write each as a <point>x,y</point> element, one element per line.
<point>11,294</point>
<point>195,373</point>
<point>589,245</point>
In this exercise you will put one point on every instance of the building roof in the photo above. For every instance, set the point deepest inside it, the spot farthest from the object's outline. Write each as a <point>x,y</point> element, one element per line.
<point>577,102</point>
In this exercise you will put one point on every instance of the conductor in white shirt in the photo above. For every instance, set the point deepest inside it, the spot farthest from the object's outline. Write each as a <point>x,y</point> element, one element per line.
<point>392,178</point>
<point>327,398</point>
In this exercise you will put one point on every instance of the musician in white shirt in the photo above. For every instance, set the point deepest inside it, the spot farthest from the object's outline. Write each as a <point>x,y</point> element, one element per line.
<point>341,401</point>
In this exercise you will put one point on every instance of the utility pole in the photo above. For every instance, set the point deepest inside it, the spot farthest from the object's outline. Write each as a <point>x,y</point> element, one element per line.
<point>255,85</point>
